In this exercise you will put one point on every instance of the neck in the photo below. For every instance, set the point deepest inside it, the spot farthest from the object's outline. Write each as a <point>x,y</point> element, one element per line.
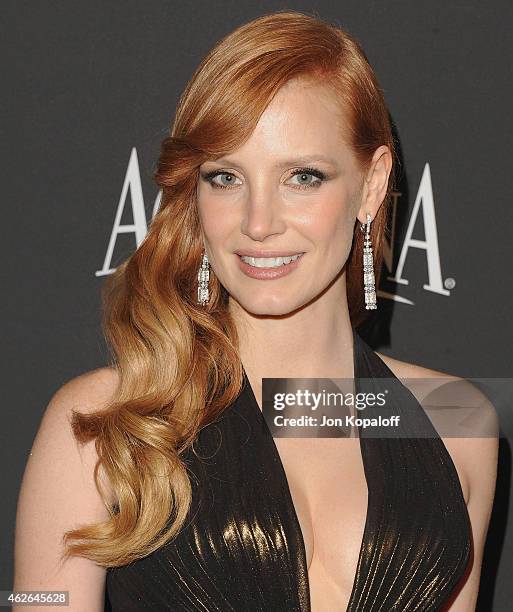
<point>315,341</point>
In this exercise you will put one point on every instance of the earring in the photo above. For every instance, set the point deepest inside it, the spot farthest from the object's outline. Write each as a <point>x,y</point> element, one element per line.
<point>203,276</point>
<point>369,281</point>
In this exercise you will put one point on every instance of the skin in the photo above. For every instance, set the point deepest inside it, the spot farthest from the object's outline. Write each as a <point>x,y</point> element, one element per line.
<point>265,210</point>
<point>269,209</point>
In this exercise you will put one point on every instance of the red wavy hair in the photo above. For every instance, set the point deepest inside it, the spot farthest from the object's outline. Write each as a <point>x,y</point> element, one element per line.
<point>178,362</point>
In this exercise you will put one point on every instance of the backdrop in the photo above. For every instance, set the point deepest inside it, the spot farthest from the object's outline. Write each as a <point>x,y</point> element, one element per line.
<point>89,92</point>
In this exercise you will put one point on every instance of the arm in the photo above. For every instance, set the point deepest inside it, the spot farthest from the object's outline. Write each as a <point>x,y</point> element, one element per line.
<point>58,493</point>
<point>474,457</point>
<point>481,466</point>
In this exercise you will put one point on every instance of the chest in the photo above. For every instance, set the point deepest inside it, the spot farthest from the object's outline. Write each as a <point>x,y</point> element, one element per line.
<point>327,484</point>
<point>243,541</point>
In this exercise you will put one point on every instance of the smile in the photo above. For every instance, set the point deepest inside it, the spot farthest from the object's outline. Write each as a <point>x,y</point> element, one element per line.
<point>269,262</point>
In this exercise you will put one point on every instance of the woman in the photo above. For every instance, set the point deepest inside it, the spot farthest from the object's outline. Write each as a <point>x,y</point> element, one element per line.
<point>276,180</point>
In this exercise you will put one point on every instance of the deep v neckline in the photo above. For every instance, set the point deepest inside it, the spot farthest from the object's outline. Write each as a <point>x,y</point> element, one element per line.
<point>242,547</point>
<point>286,487</point>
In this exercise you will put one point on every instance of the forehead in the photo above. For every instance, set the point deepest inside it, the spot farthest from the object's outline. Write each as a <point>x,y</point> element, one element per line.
<point>304,116</point>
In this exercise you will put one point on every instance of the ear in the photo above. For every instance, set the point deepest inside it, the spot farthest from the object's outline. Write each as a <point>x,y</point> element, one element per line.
<point>375,183</point>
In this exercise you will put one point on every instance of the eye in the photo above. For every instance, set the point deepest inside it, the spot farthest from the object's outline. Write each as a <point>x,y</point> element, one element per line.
<point>223,176</point>
<point>305,176</point>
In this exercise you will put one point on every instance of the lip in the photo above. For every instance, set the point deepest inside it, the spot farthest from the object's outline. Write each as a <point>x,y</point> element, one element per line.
<point>255,253</point>
<point>268,273</point>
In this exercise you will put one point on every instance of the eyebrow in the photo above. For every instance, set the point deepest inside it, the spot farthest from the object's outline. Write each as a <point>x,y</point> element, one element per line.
<point>304,159</point>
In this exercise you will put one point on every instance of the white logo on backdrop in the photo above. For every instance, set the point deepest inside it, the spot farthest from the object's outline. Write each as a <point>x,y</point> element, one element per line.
<point>424,203</point>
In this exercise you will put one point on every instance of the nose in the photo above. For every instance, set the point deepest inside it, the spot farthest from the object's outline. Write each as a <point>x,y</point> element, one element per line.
<point>263,213</point>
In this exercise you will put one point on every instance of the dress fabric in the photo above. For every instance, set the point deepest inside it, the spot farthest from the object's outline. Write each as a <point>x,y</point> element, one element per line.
<point>241,548</point>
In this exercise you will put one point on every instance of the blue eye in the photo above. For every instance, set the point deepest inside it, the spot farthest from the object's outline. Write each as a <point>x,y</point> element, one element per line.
<point>307,174</point>
<point>227,179</point>
<point>230,179</point>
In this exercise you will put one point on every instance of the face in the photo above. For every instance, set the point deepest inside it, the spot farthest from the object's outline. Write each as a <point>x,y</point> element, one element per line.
<point>293,189</point>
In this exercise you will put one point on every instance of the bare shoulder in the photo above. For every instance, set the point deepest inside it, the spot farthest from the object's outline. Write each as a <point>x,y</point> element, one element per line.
<point>58,493</point>
<point>474,455</point>
<point>88,392</point>
<point>403,369</point>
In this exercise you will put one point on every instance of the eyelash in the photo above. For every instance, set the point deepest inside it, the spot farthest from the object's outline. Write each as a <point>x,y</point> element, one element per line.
<point>317,173</point>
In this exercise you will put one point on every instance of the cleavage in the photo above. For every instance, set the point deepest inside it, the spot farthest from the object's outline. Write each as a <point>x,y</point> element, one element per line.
<point>327,483</point>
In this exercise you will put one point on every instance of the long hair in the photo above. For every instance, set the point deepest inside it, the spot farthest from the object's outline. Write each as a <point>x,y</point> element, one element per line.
<point>177,362</point>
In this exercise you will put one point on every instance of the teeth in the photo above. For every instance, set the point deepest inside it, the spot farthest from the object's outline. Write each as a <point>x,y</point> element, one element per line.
<point>269,262</point>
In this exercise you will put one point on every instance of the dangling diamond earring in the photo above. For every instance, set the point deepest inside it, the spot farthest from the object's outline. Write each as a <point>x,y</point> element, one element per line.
<point>203,276</point>
<point>369,281</point>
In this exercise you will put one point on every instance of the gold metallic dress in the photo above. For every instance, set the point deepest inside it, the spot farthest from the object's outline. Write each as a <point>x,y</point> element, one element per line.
<point>241,548</point>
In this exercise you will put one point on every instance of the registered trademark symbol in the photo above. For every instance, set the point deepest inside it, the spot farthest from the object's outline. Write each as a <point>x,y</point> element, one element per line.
<point>449,283</point>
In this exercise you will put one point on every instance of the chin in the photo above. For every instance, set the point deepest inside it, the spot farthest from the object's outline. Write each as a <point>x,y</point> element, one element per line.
<point>271,306</point>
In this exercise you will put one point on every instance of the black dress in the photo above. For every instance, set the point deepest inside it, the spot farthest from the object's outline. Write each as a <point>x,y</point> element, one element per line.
<point>241,548</point>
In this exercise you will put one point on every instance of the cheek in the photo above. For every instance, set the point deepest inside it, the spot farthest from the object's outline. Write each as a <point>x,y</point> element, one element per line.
<point>332,223</point>
<point>214,220</point>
